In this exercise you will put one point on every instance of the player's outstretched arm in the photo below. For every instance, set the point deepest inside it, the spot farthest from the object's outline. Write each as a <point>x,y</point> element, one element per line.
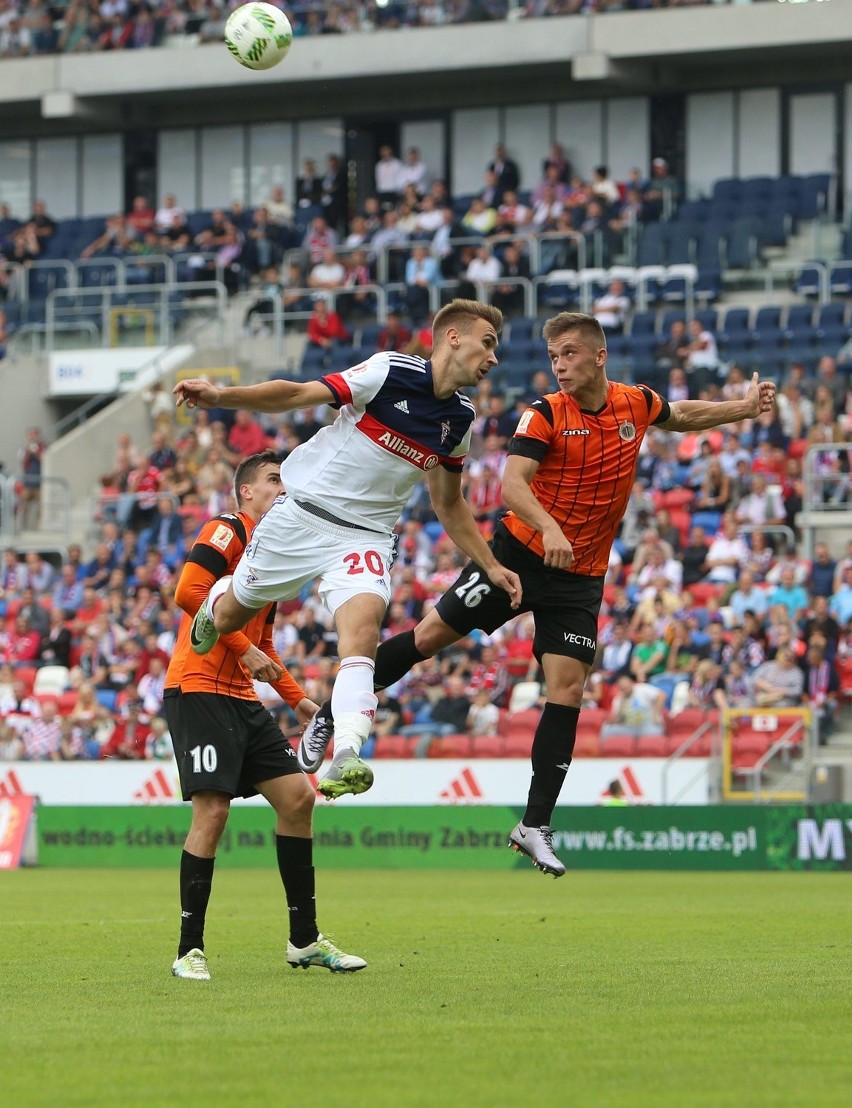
<point>454,513</point>
<point>701,415</point>
<point>267,396</point>
<point>517,478</point>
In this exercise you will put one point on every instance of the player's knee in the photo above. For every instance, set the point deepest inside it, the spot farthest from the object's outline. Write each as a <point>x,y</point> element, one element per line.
<point>210,815</point>
<point>304,798</point>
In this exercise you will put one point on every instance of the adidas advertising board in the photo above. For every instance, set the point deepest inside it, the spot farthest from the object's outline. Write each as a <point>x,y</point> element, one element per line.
<point>436,781</point>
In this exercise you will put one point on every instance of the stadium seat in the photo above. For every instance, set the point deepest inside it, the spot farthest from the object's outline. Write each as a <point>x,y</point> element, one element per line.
<point>450,746</point>
<point>617,746</point>
<point>587,745</point>
<point>66,702</point>
<point>50,680</point>
<point>517,745</point>
<point>395,746</point>
<point>702,591</point>
<point>592,719</point>
<point>487,746</point>
<point>27,674</point>
<point>652,746</point>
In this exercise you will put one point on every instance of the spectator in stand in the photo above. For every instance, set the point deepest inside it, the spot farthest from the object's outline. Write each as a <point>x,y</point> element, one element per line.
<point>279,209</point>
<point>789,559</point>
<point>449,714</point>
<point>779,683</point>
<point>706,690</point>
<point>762,506</point>
<point>394,335</point>
<point>169,215</point>
<point>702,358</point>
<point>308,185</point>
<point>661,192</point>
<point>116,238</point>
<point>747,597</point>
<point>318,238</point>
<point>333,193</point>
<point>429,218</point>
<point>421,273</point>
<point>388,177</point>
<point>390,239</point>
<point>637,709</point>
<point>507,176</point>
<point>823,571</point>
<point>604,188</point>
<point>821,690</point>
<point>479,219</point>
<point>140,218</point>
<point>329,273</point>
<point>165,532</point>
<point>611,308</point>
<point>484,715</point>
<point>37,615</point>
<point>56,643</point>
<point>151,686</point>
<point>325,327</point>
<point>512,216</point>
<point>97,571</point>
<point>693,557</point>
<point>40,573</point>
<point>615,659</point>
<point>414,172</point>
<point>42,735</point>
<point>354,299</point>
<point>791,595</point>
<point>131,735</point>
<point>727,552</point>
<point>23,644</point>
<point>649,654</point>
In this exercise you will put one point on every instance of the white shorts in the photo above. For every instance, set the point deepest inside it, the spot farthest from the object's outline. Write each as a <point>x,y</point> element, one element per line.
<point>290,548</point>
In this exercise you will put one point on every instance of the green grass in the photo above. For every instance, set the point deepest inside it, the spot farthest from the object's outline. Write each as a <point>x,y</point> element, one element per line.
<point>482,989</point>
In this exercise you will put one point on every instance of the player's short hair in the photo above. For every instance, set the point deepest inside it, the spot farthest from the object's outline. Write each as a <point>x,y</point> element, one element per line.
<point>462,314</point>
<point>587,325</point>
<point>248,469</point>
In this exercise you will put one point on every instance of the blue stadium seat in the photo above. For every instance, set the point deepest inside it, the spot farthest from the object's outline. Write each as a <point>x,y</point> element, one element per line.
<point>728,189</point>
<point>643,323</point>
<point>743,243</point>
<point>708,287</point>
<point>737,323</point>
<point>708,318</point>
<point>651,248</point>
<point>799,316</point>
<point>708,247</point>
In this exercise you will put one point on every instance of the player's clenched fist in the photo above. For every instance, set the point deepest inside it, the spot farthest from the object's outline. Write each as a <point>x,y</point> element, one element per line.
<point>196,393</point>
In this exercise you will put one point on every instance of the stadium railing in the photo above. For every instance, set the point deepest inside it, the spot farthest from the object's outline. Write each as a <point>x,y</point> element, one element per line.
<point>810,278</point>
<point>51,512</point>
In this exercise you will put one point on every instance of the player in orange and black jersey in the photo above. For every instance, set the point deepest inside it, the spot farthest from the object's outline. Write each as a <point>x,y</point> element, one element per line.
<point>227,744</point>
<point>567,481</point>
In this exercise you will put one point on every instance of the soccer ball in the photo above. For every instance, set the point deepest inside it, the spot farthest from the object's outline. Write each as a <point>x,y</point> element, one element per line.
<point>258,35</point>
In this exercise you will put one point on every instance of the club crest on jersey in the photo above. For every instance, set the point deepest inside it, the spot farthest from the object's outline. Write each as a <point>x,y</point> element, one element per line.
<point>627,431</point>
<point>445,430</point>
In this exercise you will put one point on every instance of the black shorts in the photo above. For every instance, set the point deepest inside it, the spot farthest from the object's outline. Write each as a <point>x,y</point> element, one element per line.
<point>565,605</point>
<point>225,745</point>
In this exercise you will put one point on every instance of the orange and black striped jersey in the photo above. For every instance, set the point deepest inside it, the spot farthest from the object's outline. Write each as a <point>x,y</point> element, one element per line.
<point>214,554</point>
<point>587,463</point>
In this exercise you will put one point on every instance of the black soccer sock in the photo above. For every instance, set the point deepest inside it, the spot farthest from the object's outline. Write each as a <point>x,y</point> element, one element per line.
<point>552,748</point>
<point>295,864</point>
<point>196,880</point>
<point>394,659</point>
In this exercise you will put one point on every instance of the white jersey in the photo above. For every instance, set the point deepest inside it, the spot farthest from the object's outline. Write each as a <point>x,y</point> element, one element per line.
<point>391,430</point>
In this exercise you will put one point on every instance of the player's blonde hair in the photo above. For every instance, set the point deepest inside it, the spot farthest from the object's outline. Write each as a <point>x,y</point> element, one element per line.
<point>462,314</point>
<point>587,325</point>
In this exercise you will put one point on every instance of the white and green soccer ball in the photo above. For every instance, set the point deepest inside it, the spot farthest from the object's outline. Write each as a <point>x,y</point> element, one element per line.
<point>258,35</point>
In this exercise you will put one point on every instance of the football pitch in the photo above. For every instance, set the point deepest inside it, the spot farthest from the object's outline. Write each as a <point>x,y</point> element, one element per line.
<point>482,989</point>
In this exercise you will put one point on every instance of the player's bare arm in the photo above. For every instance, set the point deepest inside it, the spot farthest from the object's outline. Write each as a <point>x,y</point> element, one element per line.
<point>267,396</point>
<point>701,415</point>
<point>457,519</point>
<point>518,476</point>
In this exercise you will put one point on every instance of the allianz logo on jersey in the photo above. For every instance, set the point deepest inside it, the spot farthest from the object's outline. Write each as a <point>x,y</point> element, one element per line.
<point>398,445</point>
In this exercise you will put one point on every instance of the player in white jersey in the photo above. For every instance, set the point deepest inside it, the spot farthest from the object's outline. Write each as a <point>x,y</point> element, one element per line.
<point>400,418</point>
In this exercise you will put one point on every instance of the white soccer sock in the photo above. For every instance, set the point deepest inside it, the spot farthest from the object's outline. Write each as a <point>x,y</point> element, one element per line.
<point>353,704</point>
<point>218,589</point>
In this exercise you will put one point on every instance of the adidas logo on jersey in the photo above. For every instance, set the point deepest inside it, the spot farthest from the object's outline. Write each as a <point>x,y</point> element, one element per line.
<point>403,406</point>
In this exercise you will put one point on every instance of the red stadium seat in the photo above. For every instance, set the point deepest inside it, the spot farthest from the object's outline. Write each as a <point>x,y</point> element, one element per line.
<point>652,746</point>
<point>701,748</point>
<point>517,746</point>
<point>67,702</point>
<point>592,719</point>
<point>798,448</point>
<point>450,746</point>
<point>676,498</point>
<point>487,746</point>
<point>586,745</point>
<point>749,746</point>
<point>27,674</point>
<point>395,746</point>
<point>702,591</point>
<point>617,746</point>
<point>682,520</point>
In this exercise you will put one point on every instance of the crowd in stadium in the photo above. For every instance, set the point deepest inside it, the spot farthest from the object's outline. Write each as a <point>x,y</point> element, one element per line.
<point>31,27</point>
<point>698,612</point>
